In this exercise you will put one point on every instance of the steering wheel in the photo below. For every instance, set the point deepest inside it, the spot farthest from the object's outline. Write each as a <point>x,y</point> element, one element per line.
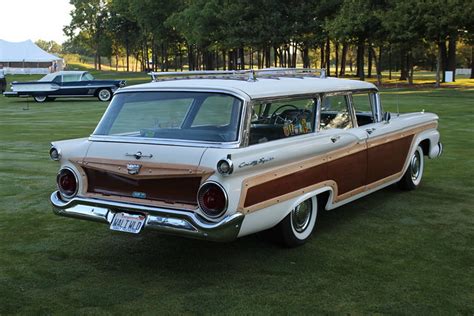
<point>274,115</point>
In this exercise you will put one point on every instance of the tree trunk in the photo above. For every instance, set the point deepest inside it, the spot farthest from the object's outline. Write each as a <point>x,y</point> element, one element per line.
<point>438,65</point>
<point>224,61</point>
<point>390,62</point>
<point>127,52</point>
<point>337,57</point>
<point>452,55</point>
<point>410,67</point>
<point>378,66</point>
<point>242,57</point>
<point>305,52</point>
<point>342,72</point>
<point>267,57</point>
<point>403,65</point>
<point>322,56</point>
<point>295,54</point>
<point>328,57</point>
<point>360,59</point>
<point>369,66</point>
<point>472,62</point>
<point>444,58</point>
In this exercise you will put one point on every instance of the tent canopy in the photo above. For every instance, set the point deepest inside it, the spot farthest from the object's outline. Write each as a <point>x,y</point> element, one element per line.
<point>25,51</point>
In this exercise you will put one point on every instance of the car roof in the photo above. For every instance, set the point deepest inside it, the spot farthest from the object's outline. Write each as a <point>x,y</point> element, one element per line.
<point>70,72</point>
<point>261,87</point>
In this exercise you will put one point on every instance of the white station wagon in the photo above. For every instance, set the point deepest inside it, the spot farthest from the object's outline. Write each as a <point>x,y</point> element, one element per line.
<point>219,155</point>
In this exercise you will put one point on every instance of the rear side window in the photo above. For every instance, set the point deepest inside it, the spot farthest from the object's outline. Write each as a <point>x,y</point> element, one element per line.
<point>335,112</point>
<point>71,77</point>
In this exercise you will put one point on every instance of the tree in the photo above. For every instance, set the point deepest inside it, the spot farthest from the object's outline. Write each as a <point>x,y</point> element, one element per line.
<point>89,18</point>
<point>49,46</point>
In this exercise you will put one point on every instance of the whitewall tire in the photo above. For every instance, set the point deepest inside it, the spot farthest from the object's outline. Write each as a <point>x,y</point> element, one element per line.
<point>296,228</point>
<point>104,95</point>
<point>40,98</point>
<point>412,177</point>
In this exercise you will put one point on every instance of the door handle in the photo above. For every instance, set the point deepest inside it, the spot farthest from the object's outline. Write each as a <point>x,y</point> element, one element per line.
<point>370,130</point>
<point>335,138</point>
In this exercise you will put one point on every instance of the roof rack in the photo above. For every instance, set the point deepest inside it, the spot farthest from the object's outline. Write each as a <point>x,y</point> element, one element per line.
<point>247,75</point>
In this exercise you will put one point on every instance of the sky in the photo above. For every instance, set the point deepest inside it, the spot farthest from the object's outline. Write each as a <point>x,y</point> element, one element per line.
<point>21,20</point>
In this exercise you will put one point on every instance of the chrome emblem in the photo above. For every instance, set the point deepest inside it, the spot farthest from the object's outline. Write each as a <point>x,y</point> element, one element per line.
<point>133,168</point>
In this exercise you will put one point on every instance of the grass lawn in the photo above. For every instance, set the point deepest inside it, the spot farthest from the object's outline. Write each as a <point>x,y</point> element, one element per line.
<point>392,252</point>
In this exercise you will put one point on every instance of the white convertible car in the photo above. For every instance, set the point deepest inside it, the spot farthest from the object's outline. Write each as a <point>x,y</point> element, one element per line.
<point>219,155</point>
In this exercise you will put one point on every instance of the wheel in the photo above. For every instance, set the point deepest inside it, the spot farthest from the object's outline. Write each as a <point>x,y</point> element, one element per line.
<point>412,177</point>
<point>296,228</point>
<point>40,98</point>
<point>104,95</point>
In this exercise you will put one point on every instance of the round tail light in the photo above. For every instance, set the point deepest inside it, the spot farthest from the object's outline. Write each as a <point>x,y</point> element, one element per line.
<point>67,182</point>
<point>212,199</point>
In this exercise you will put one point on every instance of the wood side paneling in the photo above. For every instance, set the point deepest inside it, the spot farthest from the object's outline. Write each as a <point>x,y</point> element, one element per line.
<point>387,159</point>
<point>286,184</point>
<point>348,172</point>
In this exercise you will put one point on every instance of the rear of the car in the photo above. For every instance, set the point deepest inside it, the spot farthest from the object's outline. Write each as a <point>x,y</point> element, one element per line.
<point>141,168</point>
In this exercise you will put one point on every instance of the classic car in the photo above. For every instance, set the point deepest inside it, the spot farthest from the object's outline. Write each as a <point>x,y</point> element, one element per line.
<point>65,84</point>
<point>220,155</point>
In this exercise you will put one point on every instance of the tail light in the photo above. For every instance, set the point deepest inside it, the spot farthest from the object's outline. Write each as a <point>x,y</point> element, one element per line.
<point>67,183</point>
<point>212,199</point>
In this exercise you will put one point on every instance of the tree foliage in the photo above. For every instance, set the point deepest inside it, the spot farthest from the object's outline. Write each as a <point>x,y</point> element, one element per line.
<point>235,34</point>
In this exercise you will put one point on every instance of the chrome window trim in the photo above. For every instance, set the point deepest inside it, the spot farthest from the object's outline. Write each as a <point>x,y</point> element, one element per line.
<point>177,142</point>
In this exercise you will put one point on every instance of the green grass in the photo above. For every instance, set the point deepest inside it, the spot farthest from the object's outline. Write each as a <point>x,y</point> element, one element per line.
<point>392,252</point>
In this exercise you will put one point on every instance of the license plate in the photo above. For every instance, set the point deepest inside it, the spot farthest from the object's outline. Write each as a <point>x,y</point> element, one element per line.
<point>129,223</point>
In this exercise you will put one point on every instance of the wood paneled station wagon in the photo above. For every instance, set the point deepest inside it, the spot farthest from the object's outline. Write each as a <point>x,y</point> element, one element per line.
<point>218,155</point>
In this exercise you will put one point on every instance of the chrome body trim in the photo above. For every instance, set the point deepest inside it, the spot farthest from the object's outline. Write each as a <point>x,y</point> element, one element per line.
<point>169,221</point>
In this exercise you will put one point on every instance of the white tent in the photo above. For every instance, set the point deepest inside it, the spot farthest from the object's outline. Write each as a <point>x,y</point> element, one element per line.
<point>26,58</point>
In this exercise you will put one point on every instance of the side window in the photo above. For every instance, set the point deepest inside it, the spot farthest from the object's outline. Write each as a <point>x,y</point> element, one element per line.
<point>335,112</point>
<point>364,108</point>
<point>281,119</point>
<point>71,78</point>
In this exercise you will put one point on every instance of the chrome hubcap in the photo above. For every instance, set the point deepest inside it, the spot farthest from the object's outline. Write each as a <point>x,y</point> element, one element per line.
<point>104,94</point>
<point>415,166</point>
<point>301,216</point>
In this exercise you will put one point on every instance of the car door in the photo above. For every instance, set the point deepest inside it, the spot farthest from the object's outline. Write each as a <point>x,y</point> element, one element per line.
<point>347,156</point>
<point>387,146</point>
<point>72,85</point>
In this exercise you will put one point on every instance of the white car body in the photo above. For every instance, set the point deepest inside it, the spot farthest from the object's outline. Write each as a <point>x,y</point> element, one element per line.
<point>268,178</point>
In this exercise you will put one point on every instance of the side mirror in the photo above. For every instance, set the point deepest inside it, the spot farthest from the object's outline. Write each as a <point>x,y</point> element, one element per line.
<point>386,117</point>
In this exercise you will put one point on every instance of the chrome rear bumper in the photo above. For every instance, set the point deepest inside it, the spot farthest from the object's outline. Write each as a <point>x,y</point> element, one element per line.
<point>168,221</point>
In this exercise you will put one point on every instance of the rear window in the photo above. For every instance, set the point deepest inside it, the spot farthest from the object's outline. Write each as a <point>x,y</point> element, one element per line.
<point>195,116</point>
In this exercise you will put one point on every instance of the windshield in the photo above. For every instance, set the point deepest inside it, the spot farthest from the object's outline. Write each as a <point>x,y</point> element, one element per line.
<point>196,116</point>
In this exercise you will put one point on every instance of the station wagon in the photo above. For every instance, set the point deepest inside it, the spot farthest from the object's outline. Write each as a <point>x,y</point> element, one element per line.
<point>218,155</point>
